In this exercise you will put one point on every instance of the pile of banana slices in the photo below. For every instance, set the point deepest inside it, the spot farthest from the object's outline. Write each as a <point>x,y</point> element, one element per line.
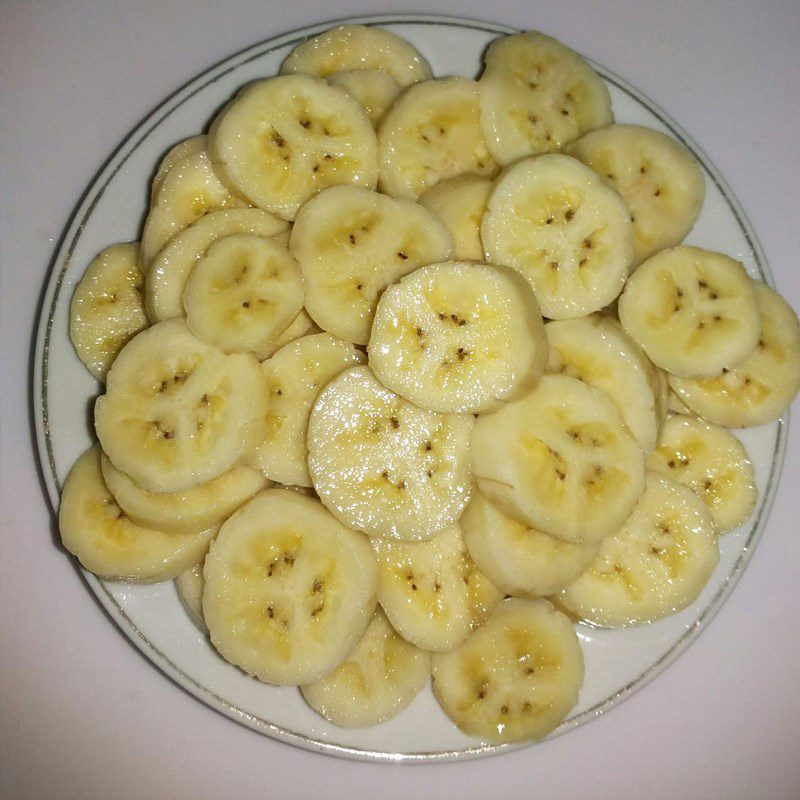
<point>333,411</point>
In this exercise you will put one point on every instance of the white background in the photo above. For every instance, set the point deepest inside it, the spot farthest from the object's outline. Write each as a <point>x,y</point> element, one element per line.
<point>84,715</point>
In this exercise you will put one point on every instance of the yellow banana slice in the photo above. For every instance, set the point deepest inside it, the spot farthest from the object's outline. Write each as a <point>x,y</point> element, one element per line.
<point>375,89</point>
<point>188,147</point>
<point>189,586</point>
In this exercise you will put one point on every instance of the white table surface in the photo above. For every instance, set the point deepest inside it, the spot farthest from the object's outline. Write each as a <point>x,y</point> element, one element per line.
<point>84,715</point>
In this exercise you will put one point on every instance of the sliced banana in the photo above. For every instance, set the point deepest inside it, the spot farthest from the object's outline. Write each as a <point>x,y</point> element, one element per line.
<point>537,95</point>
<point>188,147</point>
<point>655,565</point>
<point>283,140</point>
<point>432,132</point>
<point>515,678</point>
<point>555,221</point>
<point>657,177</point>
<point>177,411</point>
<point>759,389</point>
<point>711,462</point>
<point>351,244</point>
<point>384,466</point>
<point>289,590</point>
<point>379,678</point>
<point>432,592</point>
<point>375,89</point>
<point>107,309</point>
<point>357,47</point>
<point>294,377</point>
<point>458,337</point>
<point>96,530</point>
<point>518,559</point>
<point>561,460</point>
<point>190,585</point>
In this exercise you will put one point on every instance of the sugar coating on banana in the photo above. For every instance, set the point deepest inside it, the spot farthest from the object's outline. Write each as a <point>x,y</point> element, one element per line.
<point>375,89</point>
<point>190,585</point>
<point>183,149</point>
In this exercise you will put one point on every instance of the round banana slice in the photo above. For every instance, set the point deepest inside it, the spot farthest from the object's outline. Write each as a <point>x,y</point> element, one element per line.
<point>384,466</point>
<point>555,221</point>
<point>107,309</point>
<point>537,95</point>
<point>97,531</point>
<point>459,203</point>
<point>561,460</point>
<point>188,147</point>
<point>655,565</point>
<point>375,89</point>
<point>190,585</point>
<point>283,140</point>
<point>515,678</point>
<point>289,589</point>
<point>657,177</point>
<point>760,388</point>
<point>379,678</point>
<point>351,244</point>
<point>431,133</point>
<point>294,377</point>
<point>243,294</point>
<point>357,47</point>
<point>711,462</point>
<point>458,337</point>
<point>177,411</point>
<point>432,592</point>
<point>518,559</point>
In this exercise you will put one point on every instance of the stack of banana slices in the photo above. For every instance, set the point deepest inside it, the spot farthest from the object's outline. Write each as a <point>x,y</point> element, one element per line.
<point>334,413</point>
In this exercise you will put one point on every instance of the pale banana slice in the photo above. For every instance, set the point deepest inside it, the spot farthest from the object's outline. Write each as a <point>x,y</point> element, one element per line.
<point>375,89</point>
<point>759,389</point>
<point>515,678</point>
<point>459,203</point>
<point>555,221</point>
<point>351,244</point>
<point>190,585</point>
<point>379,678</point>
<point>657,177</point>
<point>303,325</point>
<point>384,466</point>
<point>294,377</point>
<point>283,140</point>
<point>177,411</point>
<point>188,147</point>
<point>561,460</point>
<point>432,132</point>
<point>537,95</point>
<point>458,337</point>
<point>692,311</point>
<point>289,590</point>
<point>96,530</point>
<point>357,47</point>
<point>518,559</point>
<point>655,565</point>
<point>107,309</point>
<point>432,592</point>
<point>711,462</point>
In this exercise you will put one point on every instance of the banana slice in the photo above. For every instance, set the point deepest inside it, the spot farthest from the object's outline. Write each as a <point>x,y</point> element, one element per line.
<point>711,462</point>
<point>382,675</point>
<point>169,273</point>
<point>97,531</point>
<point>518,559</point>
<point>459,203</point>
<point>356,47</point>
<point>283,140</point>
<point>458,337</point>
<point>294,377</point>
<point>178,412</point>
<point>657,177</point>
<point>190,585</point>
<point>107,309</point>
<point>597,351</point>
<point>692,311</point>
<point>656,565</point>
<point>555,221</point>
<point>289,590</point>
<point>537,95</point>
<point>384,466</point>
<point>375,89</point>
<point>561,460</point>
<point>760,388</point>
<point>431,133</point>
<point>351,244</point>
<point>188,147</point>
<point>432,592</point>
<point>515,678</point>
